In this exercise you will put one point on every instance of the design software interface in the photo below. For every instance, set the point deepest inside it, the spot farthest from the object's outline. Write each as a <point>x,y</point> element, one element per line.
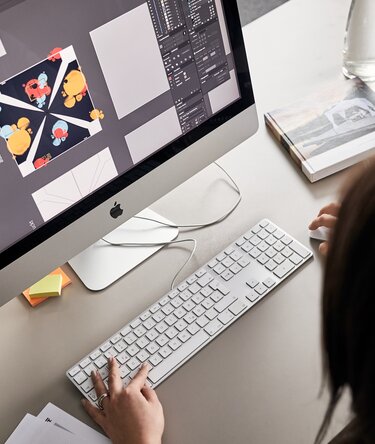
<point>90,88</point>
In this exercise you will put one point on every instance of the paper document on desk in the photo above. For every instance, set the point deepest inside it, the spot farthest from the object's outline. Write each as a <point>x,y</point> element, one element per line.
<point>32,430</point>
<point>54,415</point>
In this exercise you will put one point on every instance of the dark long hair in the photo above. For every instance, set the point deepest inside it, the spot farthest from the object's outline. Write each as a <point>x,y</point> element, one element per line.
<point>348,305</point>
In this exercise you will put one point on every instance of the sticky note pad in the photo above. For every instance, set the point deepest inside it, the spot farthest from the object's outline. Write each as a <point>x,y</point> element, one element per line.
<point>47,287</point>
<point>38,300</point>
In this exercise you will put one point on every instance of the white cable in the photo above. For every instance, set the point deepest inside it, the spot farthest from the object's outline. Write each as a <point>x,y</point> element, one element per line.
<point>159,244</point>
<point>206,224</point>
<point>193,226</point>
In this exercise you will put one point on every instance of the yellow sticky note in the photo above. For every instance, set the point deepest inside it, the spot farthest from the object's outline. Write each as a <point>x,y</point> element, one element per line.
<point>47,287</point>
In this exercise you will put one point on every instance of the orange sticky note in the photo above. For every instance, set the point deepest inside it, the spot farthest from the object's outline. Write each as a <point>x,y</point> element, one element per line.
<point>36,301</point>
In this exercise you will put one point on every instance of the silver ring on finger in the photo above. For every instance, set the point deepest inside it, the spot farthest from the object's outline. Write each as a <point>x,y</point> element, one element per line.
<point>101,399</point>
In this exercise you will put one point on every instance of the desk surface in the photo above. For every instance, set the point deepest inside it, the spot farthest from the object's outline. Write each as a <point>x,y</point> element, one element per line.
<point>259,381</point>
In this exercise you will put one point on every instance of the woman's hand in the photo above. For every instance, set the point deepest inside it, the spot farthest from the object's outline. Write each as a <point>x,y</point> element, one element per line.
<point>131,415</point>
<point>327,217</point>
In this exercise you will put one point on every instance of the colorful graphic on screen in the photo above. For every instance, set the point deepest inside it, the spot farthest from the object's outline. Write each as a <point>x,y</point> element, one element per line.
<point>47,110</point>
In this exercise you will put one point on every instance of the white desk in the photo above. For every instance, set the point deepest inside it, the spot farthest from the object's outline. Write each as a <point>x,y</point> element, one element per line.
<point>259,381</point>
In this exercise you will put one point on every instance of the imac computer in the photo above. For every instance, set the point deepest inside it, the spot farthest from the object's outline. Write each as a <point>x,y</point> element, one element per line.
<point>104,108</point>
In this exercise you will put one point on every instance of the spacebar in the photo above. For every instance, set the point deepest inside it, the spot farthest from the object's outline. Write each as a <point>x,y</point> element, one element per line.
<point>178,356</point>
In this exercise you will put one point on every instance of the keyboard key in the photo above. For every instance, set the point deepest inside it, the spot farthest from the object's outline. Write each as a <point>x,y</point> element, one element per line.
<point>95,355</point>
<point>152,348</point>
<point>111,353</point>
<point>181,325</point>
<point>174,344</point>
<point>167,310</point>
<point>155,360</point>
<point>220,257</point>
<point>252,296</point>
<point>165,352</point>
<point>229,250</point>
<point>184,336</point>
<point>247,247</point>
<point>244,261</point>
<point>145,315</point>
<point>198,298</point>
<point>133,363</point>
<point>225,317</point>
<point>241,241</point>
<point>260,289</point>
<point>205,280</point>
<point>207,303</point>
<point>158,316</point>
<point>214,284</point>
<point>120,346</point>
<point>149,324</point>
<point>286,240</point>
<point>125,330</point>
<point>237,307</point>
<point>194,288</point>
<point>122,358</point>
<point>189,305</point>
<point>202,321</point>
<point>162,340</point>
<point>198,310</point>
<point>154,308</point>
<point>271,265</point>
<point>105,347</point>
<point>183,286</point>
<point>92,395</point>
<point>256,229</point>
<point>186,349</point>
<point>216,296</point>
<point>74,371</point>
<point>262,234</point>
<point>279,258</point>
<point>287,252</point>
<point>177,302</point>
<point>252,283</point>
<point>227,275</point>
<point>89,369</point>
<point>142,356</point>
<point>297,248</point>
<point>228,262</point>
<point>180,312</point>
<point>213,263</point>
<point>124,372</point>
<point>225,303</point>
<point>270,240</point>
<point>262,259</point>
<point>190,317</point>
<point>269,282</point>
<point>164,301</point>
<point>278,246</point>
<point>135,323</point>
<point>219,268</point>
<point>213,327</point>
<point>80,378</point>
<point>85,363</point>
<point>255,252</point>
<point>235,268</point>
<point>193,328</point>
<point>236,255</point>
<point>264,223</point>
<point>278,234</point>
<point>263,246</point>
<point>152,334</point>
<point>211,314</point>
<point>270,228</point>
<point>223,289</point>
<point>191,279</point>
<point>284,269</point>
<point>255,240</point>
<point>132,350</point>
<point>200,273</point>
<point>140,331</point>
<point>87,385</point>
<point>173,293</point>
<point>296,259</point>
<point>143,342</point>
<point>206,291</point>
<point>185,295</point>
<point>271,252</point>
<point>171,332</point>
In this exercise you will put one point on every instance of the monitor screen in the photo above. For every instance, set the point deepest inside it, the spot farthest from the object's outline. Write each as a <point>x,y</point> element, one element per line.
<point>95,94</point>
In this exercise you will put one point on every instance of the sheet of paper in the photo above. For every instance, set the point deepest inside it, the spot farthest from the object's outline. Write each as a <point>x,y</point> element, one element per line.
<point>32,430</point>
<point>2,49</point>
<point>59,418</point>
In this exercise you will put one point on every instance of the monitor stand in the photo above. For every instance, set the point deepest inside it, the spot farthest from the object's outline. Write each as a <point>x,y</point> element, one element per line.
<point>102,264</point>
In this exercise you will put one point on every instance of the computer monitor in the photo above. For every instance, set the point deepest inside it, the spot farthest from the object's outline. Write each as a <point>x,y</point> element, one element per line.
<point>107,103</point>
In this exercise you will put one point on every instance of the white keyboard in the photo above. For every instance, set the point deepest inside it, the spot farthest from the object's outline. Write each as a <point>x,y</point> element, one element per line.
<point>186,319</point>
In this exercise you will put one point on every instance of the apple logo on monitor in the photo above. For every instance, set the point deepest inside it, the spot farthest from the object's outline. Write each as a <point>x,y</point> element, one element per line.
<point>116,211</point>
